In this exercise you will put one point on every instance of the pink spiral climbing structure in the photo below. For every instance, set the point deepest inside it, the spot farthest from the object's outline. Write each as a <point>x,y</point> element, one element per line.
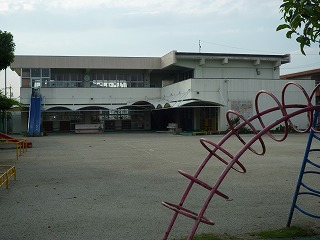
<point>232,161</point>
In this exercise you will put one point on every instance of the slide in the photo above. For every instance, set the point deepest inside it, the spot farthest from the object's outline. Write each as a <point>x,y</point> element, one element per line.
<point>34,117</point>
<point>9,138</point>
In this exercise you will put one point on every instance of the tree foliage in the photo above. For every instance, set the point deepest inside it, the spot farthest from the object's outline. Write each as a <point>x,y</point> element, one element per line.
<point>7,103</point>
<point>7,47</point>
<point>302,18</point>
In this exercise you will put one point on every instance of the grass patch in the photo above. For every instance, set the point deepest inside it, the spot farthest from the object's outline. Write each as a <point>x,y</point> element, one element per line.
<point>211,236</point>
<point>294,232</point>
<point>287,232</point>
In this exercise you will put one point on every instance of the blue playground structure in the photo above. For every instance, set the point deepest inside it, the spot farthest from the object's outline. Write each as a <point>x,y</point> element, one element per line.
<point>34,122</point>
<point>305,170</point>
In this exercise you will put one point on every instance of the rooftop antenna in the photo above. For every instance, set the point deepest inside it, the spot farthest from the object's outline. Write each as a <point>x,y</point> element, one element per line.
<point>199,46</point>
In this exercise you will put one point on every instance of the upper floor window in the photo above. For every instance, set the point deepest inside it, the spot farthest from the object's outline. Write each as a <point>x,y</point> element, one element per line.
<point>114,79</point>
<point>34,77</point>
<point>65,78</point>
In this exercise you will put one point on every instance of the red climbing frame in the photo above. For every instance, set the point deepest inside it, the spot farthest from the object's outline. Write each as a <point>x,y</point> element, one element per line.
<point>233,161</point>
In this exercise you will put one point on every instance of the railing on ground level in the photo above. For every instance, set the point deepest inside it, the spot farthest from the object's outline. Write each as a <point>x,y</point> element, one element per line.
<point>20,145</point>
<point>6,172</point>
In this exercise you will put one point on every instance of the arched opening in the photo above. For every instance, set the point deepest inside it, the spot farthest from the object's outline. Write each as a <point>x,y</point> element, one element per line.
<point>136,116</point>
<point>57,119</point>
<point>190,115</point>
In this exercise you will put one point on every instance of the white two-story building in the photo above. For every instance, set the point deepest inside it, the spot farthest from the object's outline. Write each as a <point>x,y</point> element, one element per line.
<point>193,90</point>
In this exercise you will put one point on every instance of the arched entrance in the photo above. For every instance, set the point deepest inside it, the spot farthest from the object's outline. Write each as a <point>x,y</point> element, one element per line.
<point>139,114</point>
<point>57,119</point>
<point>190,115</point>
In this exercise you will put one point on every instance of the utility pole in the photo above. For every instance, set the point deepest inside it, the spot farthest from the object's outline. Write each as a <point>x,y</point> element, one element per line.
<point>5,82</point>
<point>5,94</point>
<point>10,92</point>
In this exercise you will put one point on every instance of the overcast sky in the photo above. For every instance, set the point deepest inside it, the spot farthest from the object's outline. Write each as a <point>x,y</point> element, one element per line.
<point>149,28</point>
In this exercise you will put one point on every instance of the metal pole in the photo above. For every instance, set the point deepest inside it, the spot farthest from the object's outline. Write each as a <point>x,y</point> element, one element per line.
<point>5,82</point>
<point>5,94</point>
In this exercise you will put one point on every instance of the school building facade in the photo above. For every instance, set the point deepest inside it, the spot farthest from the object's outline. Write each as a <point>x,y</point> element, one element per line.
<point>192,90</point>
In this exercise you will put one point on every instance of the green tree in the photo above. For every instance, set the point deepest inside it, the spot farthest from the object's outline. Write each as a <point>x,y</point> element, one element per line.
<point>6,104</point>
<point>302,18</point>
<point>7,47</point>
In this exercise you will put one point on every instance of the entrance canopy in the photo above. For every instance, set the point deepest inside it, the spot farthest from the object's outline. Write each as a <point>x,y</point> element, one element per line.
<point>152,104</point>
<point>158,104</point>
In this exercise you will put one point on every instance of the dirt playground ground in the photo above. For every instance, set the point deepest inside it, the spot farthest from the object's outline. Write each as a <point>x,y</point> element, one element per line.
<point>110,186</point>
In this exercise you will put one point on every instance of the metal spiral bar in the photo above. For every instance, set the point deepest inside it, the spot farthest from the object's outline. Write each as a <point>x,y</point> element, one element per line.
<point>233,160</point>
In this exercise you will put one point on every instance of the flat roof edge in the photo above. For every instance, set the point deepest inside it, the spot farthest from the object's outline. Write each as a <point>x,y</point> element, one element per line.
<point>285,58</point>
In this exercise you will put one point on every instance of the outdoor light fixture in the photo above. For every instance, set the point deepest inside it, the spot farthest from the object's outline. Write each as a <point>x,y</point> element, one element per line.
<point>258,71</point>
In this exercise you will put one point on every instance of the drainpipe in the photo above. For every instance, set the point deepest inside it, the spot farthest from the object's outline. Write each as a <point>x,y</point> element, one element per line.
<point>227,92</point>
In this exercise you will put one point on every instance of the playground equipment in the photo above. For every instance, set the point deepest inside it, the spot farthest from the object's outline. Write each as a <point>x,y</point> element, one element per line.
<point>34,121</point>
<point>21,144</point>
<point>232,161</point>
<point>306,160</point>
<point>34,117</point>
<point>6,172</point>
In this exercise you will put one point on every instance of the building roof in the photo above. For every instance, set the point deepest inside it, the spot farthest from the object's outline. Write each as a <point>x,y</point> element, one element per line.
<point>300,74</point>
<point>86,62</point>
<point>148,63</point>
<point>285,58</point>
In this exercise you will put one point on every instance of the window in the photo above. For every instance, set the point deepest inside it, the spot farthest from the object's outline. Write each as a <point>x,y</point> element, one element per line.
<point>115,114</point>
<point>35,72</point>
<point>35,77</point>
<point>26,72</point>
<point>107,78</point>
<point>137,80</point>
<point>45,72</point>
<point>45,82</point>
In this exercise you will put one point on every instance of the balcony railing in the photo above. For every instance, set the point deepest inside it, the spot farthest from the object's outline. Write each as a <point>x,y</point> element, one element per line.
<point>79,84</point>
<point>62,84</point>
